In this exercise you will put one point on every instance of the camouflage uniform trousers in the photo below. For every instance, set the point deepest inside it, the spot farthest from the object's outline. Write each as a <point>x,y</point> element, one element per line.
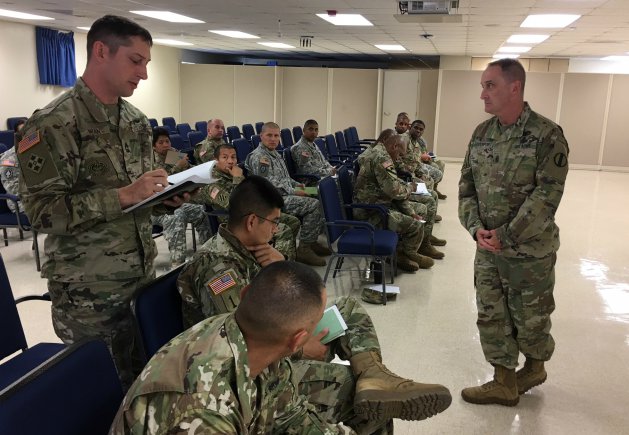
<point>175,228</point>
<point>430,210</point>
<point>439,164</point>
<point>411,232</point>
<point>100,309</point>
<point>330,386</point>
<point>514,297</point>
<point>285,239</point>
<point>435,173</point>
<point>309,210</point>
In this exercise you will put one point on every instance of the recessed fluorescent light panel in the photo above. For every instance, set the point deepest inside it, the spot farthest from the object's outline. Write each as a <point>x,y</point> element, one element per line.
<point>167,16</point>
<point>505,56</point>
<point>22,15</point>
<point>520,49</point>
<point>276,45</point>
<point>549,21</point>
<point>234,34</point>
<point>346,19</point>
<point>527,39</point>
<point>170,42</point>
<point>616,58</point>
<point>84,28</point>
<point>390,47</point>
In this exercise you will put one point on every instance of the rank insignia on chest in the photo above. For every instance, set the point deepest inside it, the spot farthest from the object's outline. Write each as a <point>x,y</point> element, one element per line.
<point>29,141</point>
<point>35,163</point>
<point>222,283</point>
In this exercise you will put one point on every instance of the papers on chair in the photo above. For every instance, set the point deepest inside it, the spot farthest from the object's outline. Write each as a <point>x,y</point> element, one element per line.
<point>389,289</point>
<point>180,183</point>
<point>421,189</point>
<point>332,320</point>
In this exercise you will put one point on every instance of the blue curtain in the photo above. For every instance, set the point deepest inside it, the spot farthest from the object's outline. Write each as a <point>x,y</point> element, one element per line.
<point>55,57</point>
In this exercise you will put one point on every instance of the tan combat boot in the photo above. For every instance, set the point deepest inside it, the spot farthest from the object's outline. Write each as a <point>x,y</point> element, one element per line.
<point>306,255</point>
<point>381,394</point>
<point>405,263</point>
<point>321,250</point>
<point>531,375</point>
<point>436,241</point>
<point>502,390</point>
<point>422,261</point>
<point>428,250</point>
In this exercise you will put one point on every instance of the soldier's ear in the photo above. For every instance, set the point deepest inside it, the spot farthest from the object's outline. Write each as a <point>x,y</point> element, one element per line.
<point>297,340</point>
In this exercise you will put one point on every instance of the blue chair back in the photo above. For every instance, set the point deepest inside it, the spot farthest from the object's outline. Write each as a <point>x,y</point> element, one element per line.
<point>255,141</point>
<point>13,338</point>
<point>7,137</point>
<point>243,148</point>
<point>194,137</point>
<point>201,126</point>
<point>11,122</point>
<point>177,142</point>
<point>248,131</point>
<point>170,123</point>
<point>183,129</point>
<point>331,145</point>
<point>298,132</point>
<point>74,392</point>
<point>157,310</point>
<point>153,122</point>
<point>354,134</point>
<point>340,141</point>
<point>347,190</point>
<point>259,127</point>
<point>233,133</point>
<point>332,209</point>
<point>290,163</point>
<point>349,138</point>
<point>320,142</point>
<point>286,137</point>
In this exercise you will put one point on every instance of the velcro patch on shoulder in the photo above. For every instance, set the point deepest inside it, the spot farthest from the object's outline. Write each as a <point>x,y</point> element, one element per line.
<point>29,141</point>
<point>214,193</point>
<point>264,161</point>
<point>222,283</point>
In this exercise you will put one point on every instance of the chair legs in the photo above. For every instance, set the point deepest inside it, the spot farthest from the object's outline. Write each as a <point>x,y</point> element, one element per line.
<point>36,249</point>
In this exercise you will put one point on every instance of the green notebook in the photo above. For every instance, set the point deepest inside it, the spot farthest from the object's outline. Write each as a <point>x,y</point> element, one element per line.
<point>332,320</point>
<point>310,191</point>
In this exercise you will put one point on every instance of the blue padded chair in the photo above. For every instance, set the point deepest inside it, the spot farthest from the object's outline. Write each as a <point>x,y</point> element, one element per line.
<point>255,141</point>
<point>178,143</point>
<point>357,140</point>
<point>286,137</point>
<point>233,133</point>
<point>298,132</point>
<point>13,339</point>
<point>194,137</point>
<point>309,179</point>
<point>335,154</point>
<point>11,122</point>
<point>354,238</point>
<point>7,137</point>
<point>201,126</point>
<point>15,219</point>
<point>183,129</point>
<point>74,392</point>
<point>170,123</point>
<point>153,122</point>
<point>243,148</point>
<point>248,131</point>
<point>259,127</point>
<point>320,142</point>
<point>343,144</point>
<point>157,311</point>
<point>3,148</point>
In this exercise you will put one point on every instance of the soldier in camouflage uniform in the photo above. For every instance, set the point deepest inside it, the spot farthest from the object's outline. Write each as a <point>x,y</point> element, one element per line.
<point>401,123</point>
<point>378,183</point>
<point>10,177</point>
<point>175,225</point>
<point>267,162</point>
<point>434,167</point>
<point>307,155</point>
<point>211,285</point>
<point>204,150</point>
<point>511,184</point>
<point>84,158</point>
<point>230,374</point>
<point>228,175</point>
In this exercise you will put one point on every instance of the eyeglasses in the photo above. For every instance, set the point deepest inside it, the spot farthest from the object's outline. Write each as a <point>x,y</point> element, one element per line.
<point>275,222</point>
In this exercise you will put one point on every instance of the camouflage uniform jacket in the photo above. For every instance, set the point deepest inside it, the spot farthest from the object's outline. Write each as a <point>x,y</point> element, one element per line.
<point>217,194</point>
<point>309,159</point>
<point>199,383</point>
<point>160,162</point>
<point>204,150</point>
<point>74,156</point>
<point>210,283</point>
<point>10,176</point>
<point>378,183</point>
<point>271,165</point>
<point>512,180</point>
<point>411,161</point>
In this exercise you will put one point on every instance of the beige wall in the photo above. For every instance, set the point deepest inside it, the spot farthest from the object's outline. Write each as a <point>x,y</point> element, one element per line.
<point>427,103</point>
<point>616,145</point>
<point>304,96</point>
<point>354,97</point>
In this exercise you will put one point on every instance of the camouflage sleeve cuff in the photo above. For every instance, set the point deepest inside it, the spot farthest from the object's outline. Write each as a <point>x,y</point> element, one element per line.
<point>473,231</point>
<point>110,205</point>
<point>503,237</point>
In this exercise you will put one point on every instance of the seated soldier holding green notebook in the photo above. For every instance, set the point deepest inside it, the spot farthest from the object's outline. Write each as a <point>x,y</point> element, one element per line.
<point>210,285</point>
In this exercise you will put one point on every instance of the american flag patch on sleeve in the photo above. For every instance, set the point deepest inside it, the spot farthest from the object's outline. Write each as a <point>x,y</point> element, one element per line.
<point>222,283</point>
<point>29,141</point>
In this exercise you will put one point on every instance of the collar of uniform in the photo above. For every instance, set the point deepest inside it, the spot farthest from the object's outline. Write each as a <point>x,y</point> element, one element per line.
<point>272,153</point>
<point>305,141</point>
<point>517,128</point>
<point>93,104</point>
<point>230,238</point>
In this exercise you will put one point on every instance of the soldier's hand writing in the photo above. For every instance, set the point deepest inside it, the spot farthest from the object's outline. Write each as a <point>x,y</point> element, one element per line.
<point>425,157</point>
<point>313,349</point>
<point>265,254</point>
<point>235,171</point>
<point>145,186</point>
<point>300,192</point>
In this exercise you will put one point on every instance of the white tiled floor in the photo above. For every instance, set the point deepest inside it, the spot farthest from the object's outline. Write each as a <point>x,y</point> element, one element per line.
<point>429,333</point>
